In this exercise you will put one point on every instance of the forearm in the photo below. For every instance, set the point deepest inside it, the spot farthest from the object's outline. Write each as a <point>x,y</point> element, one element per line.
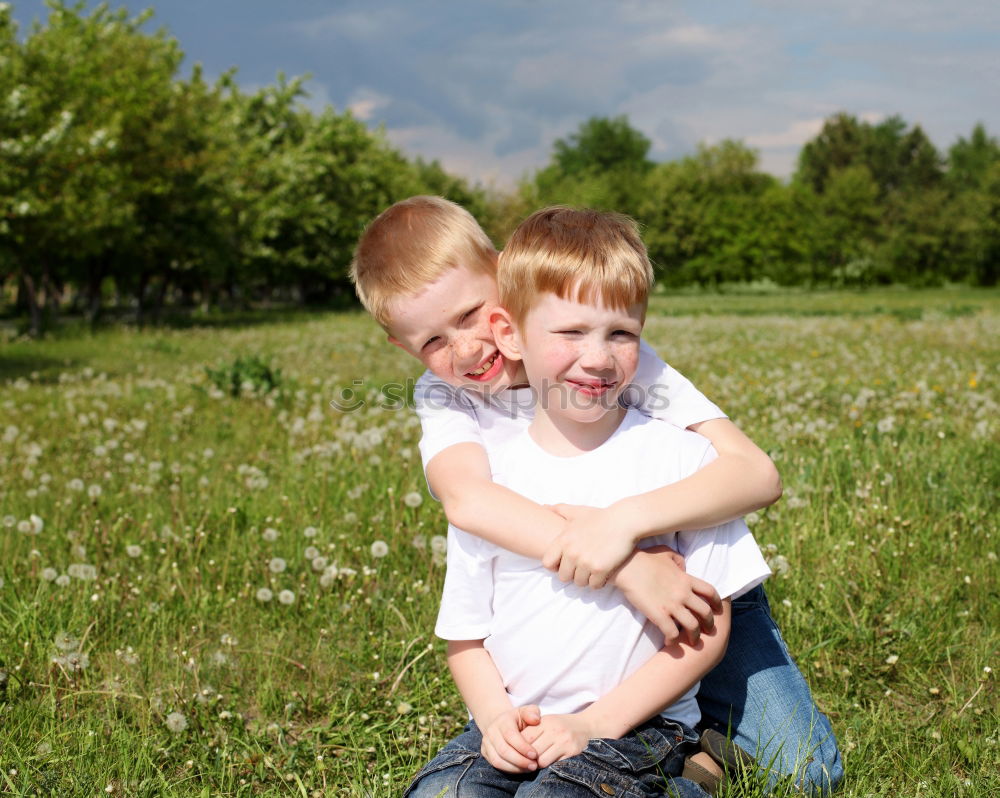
<point>660,682</point>
<point>478,680</point>
<point>460,477</point>
<point>742,479</point>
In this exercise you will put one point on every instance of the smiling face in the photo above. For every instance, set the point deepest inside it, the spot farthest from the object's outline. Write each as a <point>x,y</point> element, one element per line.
<point>447,327</point>
<point>578,358</point>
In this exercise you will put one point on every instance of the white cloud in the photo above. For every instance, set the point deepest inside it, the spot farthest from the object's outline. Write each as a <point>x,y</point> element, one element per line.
<point>365,102</point>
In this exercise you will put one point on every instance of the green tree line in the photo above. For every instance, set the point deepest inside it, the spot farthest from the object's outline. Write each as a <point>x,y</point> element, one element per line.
<point>122,178</point>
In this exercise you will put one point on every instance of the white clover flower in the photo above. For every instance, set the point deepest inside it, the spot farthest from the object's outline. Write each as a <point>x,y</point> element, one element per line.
<point>94,491</point>
<point>413,499</point>
<point>264,594</point>
<point>286,597</point>
<point>310,531</point>
<point>83,571</point>
<point>176,722</point>
<point>49,574</point>
<point>379,548</point>
<point>276,565</point>
<point>439,544</point>
<point>133,551</point>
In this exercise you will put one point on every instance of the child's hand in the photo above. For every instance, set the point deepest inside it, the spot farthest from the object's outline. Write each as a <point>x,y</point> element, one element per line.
<point>504,745</point>
<point>590,549</point>
<point>559,737</point>
<point>678,604</point>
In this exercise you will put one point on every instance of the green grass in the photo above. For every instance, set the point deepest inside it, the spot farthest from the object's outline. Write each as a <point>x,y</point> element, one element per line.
<point>881,410</point>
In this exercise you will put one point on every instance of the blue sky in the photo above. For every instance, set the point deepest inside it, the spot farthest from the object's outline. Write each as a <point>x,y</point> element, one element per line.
<point>486,86</point>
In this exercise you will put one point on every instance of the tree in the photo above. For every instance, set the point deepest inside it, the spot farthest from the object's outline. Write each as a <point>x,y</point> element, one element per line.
<point>602,165</point>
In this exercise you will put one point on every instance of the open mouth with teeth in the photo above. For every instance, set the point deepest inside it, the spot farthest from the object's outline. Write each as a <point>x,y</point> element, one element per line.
<point>488,369</point>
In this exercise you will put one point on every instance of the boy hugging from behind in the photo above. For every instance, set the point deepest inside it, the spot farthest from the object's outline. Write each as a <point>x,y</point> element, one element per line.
<point>570,688</point>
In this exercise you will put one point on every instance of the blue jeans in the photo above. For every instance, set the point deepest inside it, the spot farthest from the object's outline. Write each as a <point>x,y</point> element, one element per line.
<point>644,763</point>
<point>758,694</point>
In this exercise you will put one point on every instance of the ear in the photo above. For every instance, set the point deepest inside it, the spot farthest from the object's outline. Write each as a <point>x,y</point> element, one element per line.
<point>505,334</point>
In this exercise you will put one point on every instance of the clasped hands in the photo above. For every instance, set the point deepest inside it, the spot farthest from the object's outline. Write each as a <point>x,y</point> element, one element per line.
<point>592,550</point>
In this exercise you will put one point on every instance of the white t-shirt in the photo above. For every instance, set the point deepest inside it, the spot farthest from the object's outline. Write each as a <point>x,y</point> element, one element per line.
<point>450,415</point>
<point>558,645</point>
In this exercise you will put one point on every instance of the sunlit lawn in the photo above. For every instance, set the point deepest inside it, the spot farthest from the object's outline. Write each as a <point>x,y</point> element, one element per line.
<point>193,599</point>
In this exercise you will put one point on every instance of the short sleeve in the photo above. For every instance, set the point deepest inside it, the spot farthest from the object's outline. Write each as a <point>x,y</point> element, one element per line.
<point>466,611</point>
<point>660,391</point>
<point>447,417</point>
<point>725,556</point>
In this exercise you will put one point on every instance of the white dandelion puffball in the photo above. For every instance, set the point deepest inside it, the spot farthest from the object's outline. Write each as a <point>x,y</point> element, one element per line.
<point>380,548</point>
<point>264,594</point>
<point>439,544</point>
<point>176,722</point>
<point>133,551</point>
<point>276,565</point>
<point>79,570</point>
<point>413,499</point>
<point>311,553</point>
<point>50,574</point>
<point>37,524</point>
<point>310,531</point>
<point>286,597</point>
<point>94,491</point>
<point>270,534</point>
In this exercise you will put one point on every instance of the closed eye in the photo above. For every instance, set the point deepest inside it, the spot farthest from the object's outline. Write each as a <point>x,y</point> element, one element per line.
<point>468,313</point>
<point>430,341</point>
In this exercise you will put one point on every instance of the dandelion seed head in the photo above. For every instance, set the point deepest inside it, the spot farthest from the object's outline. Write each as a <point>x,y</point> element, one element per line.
<point>311,553</point>
<point>379,548</point>
<point>413,499</point>
<point>310,531</point>
<point>439,544</point>
<point>264,594</point>
<point>270,534</point>
<point>133,551</point>
<point>286,597</point>
<point>176,722</point>
<point>49,574</point>
<point>276,565</point>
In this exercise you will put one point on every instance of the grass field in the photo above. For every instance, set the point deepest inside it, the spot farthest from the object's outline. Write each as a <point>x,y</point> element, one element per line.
<point>191,602</point>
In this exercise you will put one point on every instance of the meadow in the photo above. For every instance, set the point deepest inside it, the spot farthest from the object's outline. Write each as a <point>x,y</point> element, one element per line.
<point>215,582</point>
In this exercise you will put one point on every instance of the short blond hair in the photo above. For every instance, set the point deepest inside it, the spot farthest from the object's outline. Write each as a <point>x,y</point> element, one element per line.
<point>596,255</point>
<point>410,245</point>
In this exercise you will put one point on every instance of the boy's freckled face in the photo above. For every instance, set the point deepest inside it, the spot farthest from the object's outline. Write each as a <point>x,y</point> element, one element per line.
<point>447,327</point>
<point>580,357</point>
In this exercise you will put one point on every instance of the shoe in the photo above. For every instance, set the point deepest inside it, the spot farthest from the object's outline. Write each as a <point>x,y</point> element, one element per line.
<point>732,759</point>
<point>727,754</point>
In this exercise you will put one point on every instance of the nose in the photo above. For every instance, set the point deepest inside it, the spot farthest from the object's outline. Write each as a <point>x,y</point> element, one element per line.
<point>596,356</point>
<point>467,352</point>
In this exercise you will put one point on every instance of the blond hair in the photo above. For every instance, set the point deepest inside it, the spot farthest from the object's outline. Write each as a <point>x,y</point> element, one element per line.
<point>594,255</point>
<point>410,245</point>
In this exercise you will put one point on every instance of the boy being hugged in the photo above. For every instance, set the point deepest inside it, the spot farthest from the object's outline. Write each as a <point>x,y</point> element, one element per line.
<point>586,679</point>
<point>426,272</point>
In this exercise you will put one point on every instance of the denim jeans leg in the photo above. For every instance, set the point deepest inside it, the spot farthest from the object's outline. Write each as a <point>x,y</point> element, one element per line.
<point>645,763</point>
<point>460,771</point>
<point>758,694</point>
